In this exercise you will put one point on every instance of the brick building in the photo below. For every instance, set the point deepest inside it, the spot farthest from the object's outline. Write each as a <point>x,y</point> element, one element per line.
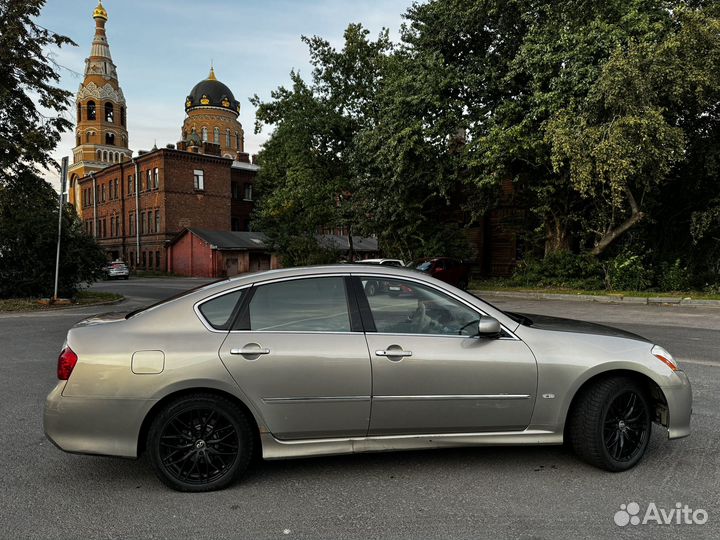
<point>135,208</point>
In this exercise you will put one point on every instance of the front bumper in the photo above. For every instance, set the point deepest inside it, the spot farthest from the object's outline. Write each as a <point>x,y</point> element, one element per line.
<point>103,426</point>
<point>679,400</point>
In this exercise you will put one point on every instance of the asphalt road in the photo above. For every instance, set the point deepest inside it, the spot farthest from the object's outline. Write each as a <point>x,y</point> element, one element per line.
<point>467,493</point>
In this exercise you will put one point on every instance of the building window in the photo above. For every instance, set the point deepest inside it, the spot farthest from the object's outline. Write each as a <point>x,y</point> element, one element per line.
<point>235,224</point>
<point>102,193</point>
<point>204,134</point>
<point>157,178</point>
<point>148,182</point>
<point>199,179</point>
<point>157,260</point>
<point>216,135</point>
<point>157,221</point>
<point>118,232</point>
<point>248,192</point>
<point>91,110</point>
<point>122,116</point>
<point>227,138</point>
<point>109,112</point>
<point>235,190</point>
<point>237,140</point>
<point>131,221</point>
<point>142,225</point>
<point>110,138</point>
<point>144,259</point>
<point>130,184</point>
<point>112,226</point>
<point>150,221</point>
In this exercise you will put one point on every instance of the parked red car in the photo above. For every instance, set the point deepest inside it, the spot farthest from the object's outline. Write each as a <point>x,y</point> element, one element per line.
<point>445,269</point>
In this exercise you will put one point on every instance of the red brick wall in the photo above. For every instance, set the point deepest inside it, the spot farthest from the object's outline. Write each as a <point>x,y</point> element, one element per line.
<point>191,256</point>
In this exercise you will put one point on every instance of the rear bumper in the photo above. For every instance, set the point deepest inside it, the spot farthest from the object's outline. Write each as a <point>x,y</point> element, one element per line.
<point>679,399</point>
<point>99,426</point>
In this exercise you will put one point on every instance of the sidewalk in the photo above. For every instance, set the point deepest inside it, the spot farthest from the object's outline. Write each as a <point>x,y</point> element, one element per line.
<point>604,298</point>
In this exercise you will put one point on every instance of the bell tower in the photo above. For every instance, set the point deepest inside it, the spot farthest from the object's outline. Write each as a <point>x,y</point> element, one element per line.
<point>101,136</point>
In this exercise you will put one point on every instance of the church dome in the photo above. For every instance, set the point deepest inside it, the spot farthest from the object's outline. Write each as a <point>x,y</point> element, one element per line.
<point>212,93</point>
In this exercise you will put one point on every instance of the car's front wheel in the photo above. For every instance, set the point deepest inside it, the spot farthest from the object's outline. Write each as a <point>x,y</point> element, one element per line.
<point>200,442</point>
<point>610,424</point>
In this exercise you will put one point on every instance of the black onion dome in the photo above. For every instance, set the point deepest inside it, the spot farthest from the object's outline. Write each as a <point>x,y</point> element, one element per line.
<point>212,93</point>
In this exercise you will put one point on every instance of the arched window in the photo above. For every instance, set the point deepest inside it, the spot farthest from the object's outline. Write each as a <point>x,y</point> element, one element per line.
<point>216,134</point>
<point>110,138</point>
<point>109,112</point>
<point>79,118</point>
<point>105,155</point>
<point>204,134</point>
<point>99,155</point>
<point>122,116</point>
<point>237,140</point>
<point>227,138</point>
<point>91,110</point>
<point>87,136</point>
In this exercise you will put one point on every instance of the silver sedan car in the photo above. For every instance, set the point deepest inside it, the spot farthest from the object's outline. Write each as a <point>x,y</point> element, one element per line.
<point>302,362</point>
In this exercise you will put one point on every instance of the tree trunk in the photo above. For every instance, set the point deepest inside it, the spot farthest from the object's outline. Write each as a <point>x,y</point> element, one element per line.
<point>614,233</point>
<point>557,237</point>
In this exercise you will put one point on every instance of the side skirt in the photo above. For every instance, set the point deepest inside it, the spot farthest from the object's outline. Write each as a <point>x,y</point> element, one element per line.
<point>273,448</point>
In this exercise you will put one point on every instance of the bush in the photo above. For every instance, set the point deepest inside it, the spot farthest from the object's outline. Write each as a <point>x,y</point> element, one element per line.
<point>674,277</point>
<point>560,270</point>
<point>28,242</point>
<point>628,272</point>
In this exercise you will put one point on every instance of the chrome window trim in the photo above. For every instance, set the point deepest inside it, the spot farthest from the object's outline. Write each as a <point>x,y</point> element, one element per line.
<point>513,336</point>
<point>196,307</point>
<point>350,333</point>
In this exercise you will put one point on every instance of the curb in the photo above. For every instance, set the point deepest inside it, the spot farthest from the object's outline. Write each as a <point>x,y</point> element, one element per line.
<point>602,299</point>
<point>63,308</point>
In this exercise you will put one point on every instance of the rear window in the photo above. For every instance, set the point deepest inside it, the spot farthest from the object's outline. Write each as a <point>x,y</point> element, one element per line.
<point>219,311</point>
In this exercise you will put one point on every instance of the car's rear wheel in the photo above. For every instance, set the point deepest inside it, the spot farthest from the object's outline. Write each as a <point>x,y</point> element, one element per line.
<point>610,424</point>
<point>200,442</point>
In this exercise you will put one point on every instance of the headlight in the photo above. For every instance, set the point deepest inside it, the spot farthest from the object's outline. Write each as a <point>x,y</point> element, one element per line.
<point>665,357</point>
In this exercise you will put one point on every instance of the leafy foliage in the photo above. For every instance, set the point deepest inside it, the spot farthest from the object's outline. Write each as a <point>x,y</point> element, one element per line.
<point>27,91</point>
<point>28,221</point>
<point>560,270</point>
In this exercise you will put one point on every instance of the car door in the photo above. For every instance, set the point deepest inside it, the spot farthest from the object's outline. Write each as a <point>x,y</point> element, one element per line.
<point>298,352</point>
<point>431,374</point>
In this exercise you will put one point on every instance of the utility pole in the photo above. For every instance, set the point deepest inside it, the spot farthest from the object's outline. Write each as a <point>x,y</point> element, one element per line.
<point>63,177</point>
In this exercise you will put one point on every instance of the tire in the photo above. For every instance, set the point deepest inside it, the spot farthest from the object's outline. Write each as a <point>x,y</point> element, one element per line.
<point>610,424</point>
<point>186,459</point>
<point>371,288</point>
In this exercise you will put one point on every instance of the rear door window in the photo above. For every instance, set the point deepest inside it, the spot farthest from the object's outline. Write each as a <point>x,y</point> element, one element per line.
<point>300,305</point>
<point>219,311</point>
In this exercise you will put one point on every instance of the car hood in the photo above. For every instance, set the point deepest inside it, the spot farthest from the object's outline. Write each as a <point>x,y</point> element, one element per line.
<point>558,324</point>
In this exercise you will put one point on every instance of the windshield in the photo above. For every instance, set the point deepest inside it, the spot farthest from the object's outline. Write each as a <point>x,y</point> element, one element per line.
<point>517,317</point>
<point>176,296</point>
<point>422,266</point>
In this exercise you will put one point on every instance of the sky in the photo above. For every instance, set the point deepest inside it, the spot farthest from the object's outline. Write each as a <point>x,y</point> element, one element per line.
<point>162,48</point>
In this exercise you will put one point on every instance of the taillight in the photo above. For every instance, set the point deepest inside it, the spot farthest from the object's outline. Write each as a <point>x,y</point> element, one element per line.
<point>66,363</point>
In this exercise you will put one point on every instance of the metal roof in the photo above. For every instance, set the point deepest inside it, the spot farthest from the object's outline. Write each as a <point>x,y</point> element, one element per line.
<point>249,240</point>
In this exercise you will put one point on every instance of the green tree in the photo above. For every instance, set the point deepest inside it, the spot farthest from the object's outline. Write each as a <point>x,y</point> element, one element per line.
<point>306,183</point>
<point>27,91</point>
<point>28,221</point>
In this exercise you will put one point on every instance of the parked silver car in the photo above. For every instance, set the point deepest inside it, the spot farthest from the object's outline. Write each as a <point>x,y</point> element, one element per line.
<point>301,362</point>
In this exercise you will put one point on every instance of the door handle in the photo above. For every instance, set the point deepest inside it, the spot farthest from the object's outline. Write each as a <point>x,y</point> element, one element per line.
<point>250,352</point>
<point>393,352</point>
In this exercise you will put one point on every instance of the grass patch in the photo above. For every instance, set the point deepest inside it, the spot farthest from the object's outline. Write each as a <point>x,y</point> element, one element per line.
<point>499,284</point>
<point>82,298</point>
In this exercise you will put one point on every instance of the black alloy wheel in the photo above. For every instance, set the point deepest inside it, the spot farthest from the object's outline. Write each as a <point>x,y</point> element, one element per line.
<point>200,443</point>
<point>610,423</point>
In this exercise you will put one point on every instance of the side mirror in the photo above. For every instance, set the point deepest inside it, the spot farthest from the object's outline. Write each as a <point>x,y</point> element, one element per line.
<point>489,327</point>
